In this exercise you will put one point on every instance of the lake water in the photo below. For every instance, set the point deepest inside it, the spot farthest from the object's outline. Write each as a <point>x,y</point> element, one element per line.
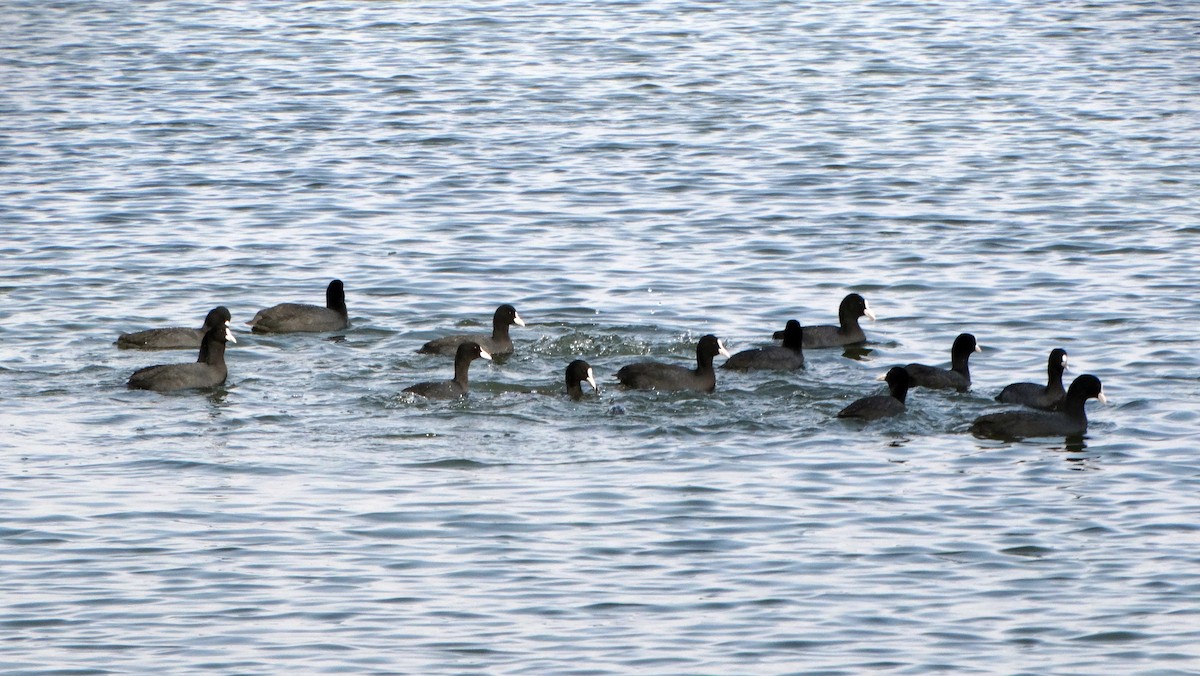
<point>631,176</point>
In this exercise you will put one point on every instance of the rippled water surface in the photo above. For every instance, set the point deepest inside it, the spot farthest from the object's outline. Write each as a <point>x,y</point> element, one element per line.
<point>631,176</point>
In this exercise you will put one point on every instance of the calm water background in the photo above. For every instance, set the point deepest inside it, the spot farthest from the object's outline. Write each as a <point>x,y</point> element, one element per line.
<point>631,176</point>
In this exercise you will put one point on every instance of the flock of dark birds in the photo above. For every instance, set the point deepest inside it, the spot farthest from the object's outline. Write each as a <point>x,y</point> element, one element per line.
<point>1048,410</point>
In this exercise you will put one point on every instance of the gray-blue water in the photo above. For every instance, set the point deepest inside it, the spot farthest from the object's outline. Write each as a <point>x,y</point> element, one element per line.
<point>630,175</point>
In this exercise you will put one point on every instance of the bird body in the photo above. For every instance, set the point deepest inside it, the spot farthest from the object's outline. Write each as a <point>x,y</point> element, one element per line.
<point>1069,420</point>
<point>847,331</point>
<point>458,386</point>
<point>1033,395</point>
<point>957,377</point>
<point>788,357</point>
<point>304,318</point>
<point>497,344</point>
<point>175,337</point>
<point>881,405</point>
<point>652,375</point>
<point>208,370</point>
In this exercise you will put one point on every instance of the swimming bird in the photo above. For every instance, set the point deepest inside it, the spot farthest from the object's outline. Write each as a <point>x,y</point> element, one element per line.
<point>881,405</point>
<point>175,337</point>
<point>1068,421</point>
<point>957,377</point>
<point>497,344</point>
<point>301,317</point>
<point>773,357</point>
<point>579,372</point>
<point>652,375</point>
<point>848,332</point>
<point>458,386</point>
<point>207,371</point>
<point>1045,397</point>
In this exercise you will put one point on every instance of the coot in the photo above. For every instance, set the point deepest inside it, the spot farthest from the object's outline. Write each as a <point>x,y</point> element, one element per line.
<point>300,317</point>
<point>175,337</point>
<point>881,405</point>
<point>496,344</point>
<point>957,377</point>
<point>786,358</point>
<point>1045,397</point>
<point>652,375</point>
<point>207,371</point>
<point>848,332</point>
<point>1069,420</point>
<point>579,372</point>
<point>456,387</point>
